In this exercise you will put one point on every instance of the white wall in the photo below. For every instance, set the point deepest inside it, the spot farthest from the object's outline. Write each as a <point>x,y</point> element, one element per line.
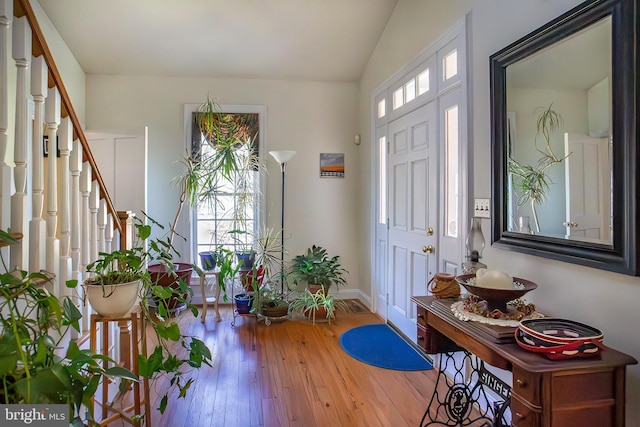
<point>605,300</point>
<point>73,75</point>
<point>308,117</point>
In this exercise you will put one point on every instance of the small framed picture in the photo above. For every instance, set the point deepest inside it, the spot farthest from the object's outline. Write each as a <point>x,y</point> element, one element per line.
<point>331,165</point>
<point>45,146</point>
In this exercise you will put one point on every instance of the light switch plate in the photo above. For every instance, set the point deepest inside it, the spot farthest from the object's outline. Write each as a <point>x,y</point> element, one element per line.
<point>481,208</point>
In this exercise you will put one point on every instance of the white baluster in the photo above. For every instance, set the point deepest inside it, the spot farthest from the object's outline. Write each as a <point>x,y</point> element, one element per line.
<point>102,223</point>
<point>76,219</point>
<point>37,230</point>
<point>85,246</point>
<point>65,144</point>
<point>94,202</point>
<point>6,16</point>
<point>52,118</point>
<point>19,201</point>
<point>85,191</point>
<point>108,235</point>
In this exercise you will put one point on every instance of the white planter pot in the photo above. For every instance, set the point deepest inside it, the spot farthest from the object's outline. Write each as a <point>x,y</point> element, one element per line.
<point>113,300</point>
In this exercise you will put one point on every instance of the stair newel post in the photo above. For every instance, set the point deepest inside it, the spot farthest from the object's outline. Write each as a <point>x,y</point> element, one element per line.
<point>37,230</point>
<point>6,17</point>
<point>75,166</point>
<point>21,52</point>
<point>65,144</point>
<point>52,118</point>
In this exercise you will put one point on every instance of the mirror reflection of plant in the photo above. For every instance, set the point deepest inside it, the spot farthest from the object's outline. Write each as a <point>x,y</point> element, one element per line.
<point>533,180</point>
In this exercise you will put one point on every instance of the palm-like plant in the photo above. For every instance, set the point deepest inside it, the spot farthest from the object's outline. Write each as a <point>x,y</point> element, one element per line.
<point>533,180</point>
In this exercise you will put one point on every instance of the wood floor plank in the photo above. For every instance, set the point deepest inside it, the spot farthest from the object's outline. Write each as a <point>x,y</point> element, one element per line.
<point>291,374</point>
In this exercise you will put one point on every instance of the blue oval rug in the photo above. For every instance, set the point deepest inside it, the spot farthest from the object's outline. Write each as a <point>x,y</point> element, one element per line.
<point>381,346</point>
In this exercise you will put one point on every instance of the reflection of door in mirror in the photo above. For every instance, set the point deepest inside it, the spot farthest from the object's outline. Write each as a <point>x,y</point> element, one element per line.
<point>588,178</point>
<point>572,77</point>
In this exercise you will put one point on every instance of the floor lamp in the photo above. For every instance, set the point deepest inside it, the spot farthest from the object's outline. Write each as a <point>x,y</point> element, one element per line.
<point>282,157</point>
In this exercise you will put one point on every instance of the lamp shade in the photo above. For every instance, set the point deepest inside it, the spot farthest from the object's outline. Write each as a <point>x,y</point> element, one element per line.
<point>282,156</point>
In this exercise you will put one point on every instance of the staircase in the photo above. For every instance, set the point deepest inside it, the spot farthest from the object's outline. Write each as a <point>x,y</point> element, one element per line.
<point>54,196</point>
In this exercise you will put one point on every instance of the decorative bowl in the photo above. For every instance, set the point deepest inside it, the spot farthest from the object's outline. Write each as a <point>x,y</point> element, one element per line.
<point>496,298</point>
<point>559,338</point>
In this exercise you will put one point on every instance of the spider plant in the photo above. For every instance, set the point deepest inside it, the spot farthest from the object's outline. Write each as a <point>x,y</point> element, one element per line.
<point>532,180</point>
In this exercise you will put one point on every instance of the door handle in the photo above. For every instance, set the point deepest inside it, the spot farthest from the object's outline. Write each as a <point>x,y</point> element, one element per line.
<point>570,224</point>
<point>430,231</point>
<point>428,249</point>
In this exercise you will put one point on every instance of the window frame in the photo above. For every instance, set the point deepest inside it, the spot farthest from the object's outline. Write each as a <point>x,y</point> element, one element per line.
<point>259,205</point>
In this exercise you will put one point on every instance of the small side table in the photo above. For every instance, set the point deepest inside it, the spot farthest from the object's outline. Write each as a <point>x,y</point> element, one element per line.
<point>205,299</point>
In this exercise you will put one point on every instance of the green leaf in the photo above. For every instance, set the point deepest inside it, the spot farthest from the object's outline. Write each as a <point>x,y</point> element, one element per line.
<point>44,387</point>
<point>8,363</point>
<point>185,388</point>
<point>163,404</point>
<point>71,313</point>
<point>172,332</point>
<point>120,372</point>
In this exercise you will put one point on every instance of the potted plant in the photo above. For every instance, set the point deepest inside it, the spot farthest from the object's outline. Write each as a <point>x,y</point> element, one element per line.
<point>317,305</point>
<point>227,268</point>
<point>317,269</point>
<point>270,302</point>
<point>131,264</point>
<point>39,365</point>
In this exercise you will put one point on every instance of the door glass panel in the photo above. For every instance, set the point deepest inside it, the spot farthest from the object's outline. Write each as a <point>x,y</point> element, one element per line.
<point>451,185</point>
<point>410,90</point>
<point>382,183</point>
<point>398,98</point>
<point>450,64</point>
<point>382,108</point>
<point>423,82</point>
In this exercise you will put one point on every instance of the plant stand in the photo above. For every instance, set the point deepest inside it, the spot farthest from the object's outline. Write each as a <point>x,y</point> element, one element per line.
<point>236,314</point>
<point>269,319</point>
<point>205,299</point>
<point>132,341</point>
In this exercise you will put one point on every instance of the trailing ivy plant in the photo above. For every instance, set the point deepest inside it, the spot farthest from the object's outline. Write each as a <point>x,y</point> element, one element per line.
<point>38,362</point>
<point>532,181</point>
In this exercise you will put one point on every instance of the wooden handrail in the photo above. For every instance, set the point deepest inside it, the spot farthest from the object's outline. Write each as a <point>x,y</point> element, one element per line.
<point>39,47</point>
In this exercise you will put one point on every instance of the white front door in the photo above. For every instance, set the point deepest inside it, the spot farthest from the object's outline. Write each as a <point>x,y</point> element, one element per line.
<point>413,212</point>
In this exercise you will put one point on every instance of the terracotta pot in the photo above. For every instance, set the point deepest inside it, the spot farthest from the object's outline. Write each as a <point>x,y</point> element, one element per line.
<point>159,275</point>
<point>321,314</point>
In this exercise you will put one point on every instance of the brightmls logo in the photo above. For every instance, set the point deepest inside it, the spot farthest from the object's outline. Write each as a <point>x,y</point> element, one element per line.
<point>34,415</point>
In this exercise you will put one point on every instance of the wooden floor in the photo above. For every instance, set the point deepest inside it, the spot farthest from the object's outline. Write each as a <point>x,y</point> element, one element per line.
<point>292,373</point>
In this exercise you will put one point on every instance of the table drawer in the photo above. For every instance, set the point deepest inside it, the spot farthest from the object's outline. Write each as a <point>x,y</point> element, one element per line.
<point>422,316</point>
<point>522,415</point>
<point>527,385</point>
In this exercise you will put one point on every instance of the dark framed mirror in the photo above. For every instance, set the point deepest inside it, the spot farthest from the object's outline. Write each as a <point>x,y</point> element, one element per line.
<point>564,113</point>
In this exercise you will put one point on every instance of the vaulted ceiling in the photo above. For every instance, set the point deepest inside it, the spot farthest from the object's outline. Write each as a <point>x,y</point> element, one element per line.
<point>325,40</point>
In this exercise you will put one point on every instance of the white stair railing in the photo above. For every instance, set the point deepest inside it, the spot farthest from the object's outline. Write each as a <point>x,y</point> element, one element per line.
<point>37,225</point>
<point>21,52</point>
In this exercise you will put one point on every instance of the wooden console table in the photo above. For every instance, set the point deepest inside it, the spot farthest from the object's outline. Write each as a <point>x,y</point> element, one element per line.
<point>547,393</point>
